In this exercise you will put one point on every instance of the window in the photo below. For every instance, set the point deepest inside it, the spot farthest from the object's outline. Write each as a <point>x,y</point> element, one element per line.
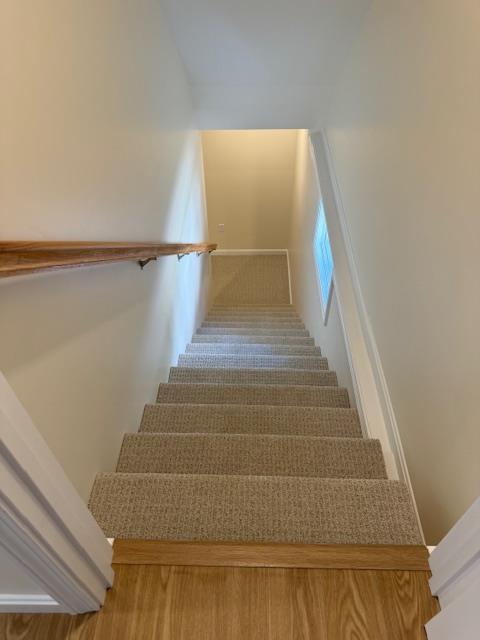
<point>322,253</point>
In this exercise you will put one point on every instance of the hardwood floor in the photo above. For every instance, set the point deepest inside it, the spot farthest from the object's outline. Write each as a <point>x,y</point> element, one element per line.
<point>158,602</point>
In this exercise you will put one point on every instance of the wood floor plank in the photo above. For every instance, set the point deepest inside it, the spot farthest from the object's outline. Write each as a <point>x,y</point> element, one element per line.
<point>47,626</point>
<point>230,554</point>
<point>348,613</point>
<point>297,609</point>
<point>410,601</point>
<point>136,605</point>
<point>158,602</point>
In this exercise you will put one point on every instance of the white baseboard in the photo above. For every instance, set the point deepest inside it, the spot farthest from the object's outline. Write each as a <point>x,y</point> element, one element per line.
<point>29,603</point>
<point>289,277</point>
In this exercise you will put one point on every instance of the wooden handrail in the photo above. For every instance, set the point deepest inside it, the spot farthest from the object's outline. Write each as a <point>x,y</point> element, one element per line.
<point>21,258</point>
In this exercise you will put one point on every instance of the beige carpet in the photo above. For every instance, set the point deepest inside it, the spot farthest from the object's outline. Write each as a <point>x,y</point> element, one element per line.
<point>253,508</point>
<point>270,324</point>
<point>253,331</point>
<point>265,316</point>
<point>255,419</point>
<point>242,454</point>
<point>259,375</point>
<point>211,349</point>
<point>251,361</point>
<point>252,439</point>
<point>260,279</point>
<point>273,394</point>
<point>280,340</point>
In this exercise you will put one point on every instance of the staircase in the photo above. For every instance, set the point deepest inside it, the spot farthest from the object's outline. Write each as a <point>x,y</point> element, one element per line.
<point>252,439</point>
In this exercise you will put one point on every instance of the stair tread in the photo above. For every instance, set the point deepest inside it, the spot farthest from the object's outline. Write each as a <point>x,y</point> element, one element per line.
<point>210,393</point>
<point>212,348</point>
<point>279,308</point>
<point>254,508</point>
<point>260,324</point>
<point>247,361</point>
<point>252,331</point>
<point>248,454</point>
<point>252,339</point>
<point>245,418</point>
<point>252,376</point>
<point>288,316</point>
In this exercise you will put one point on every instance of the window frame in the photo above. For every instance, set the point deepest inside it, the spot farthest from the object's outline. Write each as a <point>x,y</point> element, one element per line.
<point>325,306</point>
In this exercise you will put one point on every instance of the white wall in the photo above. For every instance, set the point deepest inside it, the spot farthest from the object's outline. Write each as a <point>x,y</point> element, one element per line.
<point>405,139</point>
<point>305,291</point>
<point>97,143</point>
<point>249,178</point>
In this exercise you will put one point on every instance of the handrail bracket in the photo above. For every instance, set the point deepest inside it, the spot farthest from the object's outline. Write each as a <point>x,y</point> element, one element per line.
<point>143,263</point>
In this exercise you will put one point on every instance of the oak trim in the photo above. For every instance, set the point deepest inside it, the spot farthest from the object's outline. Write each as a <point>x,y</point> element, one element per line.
<point>25,257</point>
<point>247,554</point>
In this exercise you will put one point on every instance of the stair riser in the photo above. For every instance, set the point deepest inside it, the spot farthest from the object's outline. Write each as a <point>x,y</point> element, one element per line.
<point>251,419</point>
<point>306,396</point>
<point>247,318</point>
<point>245,331</point>
<point>252,308</point>
<point>252,349</point>
<point>253,317</point>
<point>252,376</point>
<point>249,339</point>
<point>253,325</point>
<point>251,455</point>
<point>252,362</point>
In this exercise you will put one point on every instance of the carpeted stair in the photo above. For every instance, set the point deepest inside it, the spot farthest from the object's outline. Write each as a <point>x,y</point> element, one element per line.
<point>253,331</point>
<point>253,376</point>
<point>251,454</point>
<point>251,361</point>
<point>237,338</point>
<point>257,324</point>
<point>270,394</point>
<point>253,508</point>
<point>252,439</point>
<point>250,418</point>
<point>212,348</point>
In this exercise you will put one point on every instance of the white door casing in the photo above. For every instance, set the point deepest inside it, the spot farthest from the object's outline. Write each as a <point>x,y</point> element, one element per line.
<point>44,524</point>
<point>455,565</point>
